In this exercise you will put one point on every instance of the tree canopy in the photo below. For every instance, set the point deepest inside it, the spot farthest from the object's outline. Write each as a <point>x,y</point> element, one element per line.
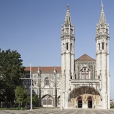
<point>20,95</point>
<point>11,70</point>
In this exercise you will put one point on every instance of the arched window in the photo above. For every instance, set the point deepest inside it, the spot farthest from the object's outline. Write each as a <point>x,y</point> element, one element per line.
<point>79,102</point>
<point>89,102</point>
<point>46,81</point>
<point>58,100</point>
<point>85,73</point>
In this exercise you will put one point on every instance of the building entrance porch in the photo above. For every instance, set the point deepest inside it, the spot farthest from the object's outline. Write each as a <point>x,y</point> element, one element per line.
<point>84,97</point>
<point>82,102</point>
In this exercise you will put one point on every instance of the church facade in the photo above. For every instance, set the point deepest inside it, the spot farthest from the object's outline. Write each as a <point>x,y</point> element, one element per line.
<point>80,83</point>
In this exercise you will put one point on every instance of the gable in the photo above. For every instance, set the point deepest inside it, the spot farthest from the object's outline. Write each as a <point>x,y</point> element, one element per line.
<point>85,57</point>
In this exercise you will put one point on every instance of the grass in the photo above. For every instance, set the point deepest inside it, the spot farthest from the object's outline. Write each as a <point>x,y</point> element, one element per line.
<point>11,108</point>
<point>17,108</point>
<point>3,108</point>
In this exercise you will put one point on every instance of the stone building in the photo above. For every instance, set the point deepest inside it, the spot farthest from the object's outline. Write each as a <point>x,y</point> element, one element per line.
<point>80,83</point>
<point>46,84</point>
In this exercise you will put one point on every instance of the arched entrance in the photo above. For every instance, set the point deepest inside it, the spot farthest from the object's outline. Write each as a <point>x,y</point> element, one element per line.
<point>89,102</point>
<point>58,101</point>
<point>89,97</point>
<point>79,102</point>
<point>47,101</point>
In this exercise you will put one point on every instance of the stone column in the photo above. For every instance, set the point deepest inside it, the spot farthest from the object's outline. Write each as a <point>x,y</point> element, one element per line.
<point>55,88</point>
<point>39,87</point>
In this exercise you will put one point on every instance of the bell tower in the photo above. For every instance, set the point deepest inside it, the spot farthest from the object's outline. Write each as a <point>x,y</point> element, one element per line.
<point>102,59</point>
<point>67,57</point>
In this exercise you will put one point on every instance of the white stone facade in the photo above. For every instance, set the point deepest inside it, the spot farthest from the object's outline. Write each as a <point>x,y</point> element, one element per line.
<point>80,83</point>
<point>46,84</point>
<point>88,84</point>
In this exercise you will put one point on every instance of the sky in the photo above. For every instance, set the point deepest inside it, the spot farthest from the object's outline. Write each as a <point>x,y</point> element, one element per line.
<point>33,28</point>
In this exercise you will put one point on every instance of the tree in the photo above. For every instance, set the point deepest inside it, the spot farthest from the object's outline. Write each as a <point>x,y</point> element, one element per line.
<point>35,100</point>
<point>20,95</point>
<point>11,70</point>
<point>28,99</point>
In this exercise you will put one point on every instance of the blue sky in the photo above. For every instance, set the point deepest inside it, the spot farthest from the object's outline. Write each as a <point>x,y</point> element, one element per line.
<point>33,28</point>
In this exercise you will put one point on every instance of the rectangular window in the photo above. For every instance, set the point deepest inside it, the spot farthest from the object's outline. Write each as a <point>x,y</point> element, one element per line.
<point>103,45</point>
<point>67,46</point>
<point>47,82</point>
<point>75,76</point>
<point>106,47</point>
<point>85,75</point>
<point>99,45</point>
<point>71,46</point>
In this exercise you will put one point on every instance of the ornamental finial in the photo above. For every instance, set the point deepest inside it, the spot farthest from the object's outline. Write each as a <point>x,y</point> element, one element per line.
<point>102,4</point>
<point>68,7</point>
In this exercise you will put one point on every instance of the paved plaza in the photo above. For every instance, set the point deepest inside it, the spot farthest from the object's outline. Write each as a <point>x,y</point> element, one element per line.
<point>58,111</point>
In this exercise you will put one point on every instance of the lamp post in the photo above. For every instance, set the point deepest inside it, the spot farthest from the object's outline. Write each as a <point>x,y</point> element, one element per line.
<point>31,108</point>
<point>30,88</point>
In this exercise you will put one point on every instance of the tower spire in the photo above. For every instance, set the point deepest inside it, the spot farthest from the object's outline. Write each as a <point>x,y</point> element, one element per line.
<point>67,17</point>
<point>102,20</point>
<point>102,58</point>
<point>67,57</point>
<point>101,2</point>
<point>68,7</point>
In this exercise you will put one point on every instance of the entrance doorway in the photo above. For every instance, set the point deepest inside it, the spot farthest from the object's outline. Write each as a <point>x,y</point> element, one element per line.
<point>89,102</point>
<point>47,101</point>
<point>79,102</point>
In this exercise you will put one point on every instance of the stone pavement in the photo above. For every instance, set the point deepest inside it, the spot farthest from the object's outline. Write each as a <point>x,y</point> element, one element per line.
<point>58,111</point>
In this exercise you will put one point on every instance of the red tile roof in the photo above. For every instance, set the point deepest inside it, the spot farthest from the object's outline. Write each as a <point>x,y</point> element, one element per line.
<point>85,57</point>
<point>43,69</point>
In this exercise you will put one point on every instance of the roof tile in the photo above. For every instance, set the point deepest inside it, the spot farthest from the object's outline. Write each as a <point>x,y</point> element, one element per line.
<point>85,57</point>
<point>43,69</point>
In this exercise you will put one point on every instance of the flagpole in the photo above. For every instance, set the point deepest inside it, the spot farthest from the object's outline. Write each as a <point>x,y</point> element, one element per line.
<point>31,90</point>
